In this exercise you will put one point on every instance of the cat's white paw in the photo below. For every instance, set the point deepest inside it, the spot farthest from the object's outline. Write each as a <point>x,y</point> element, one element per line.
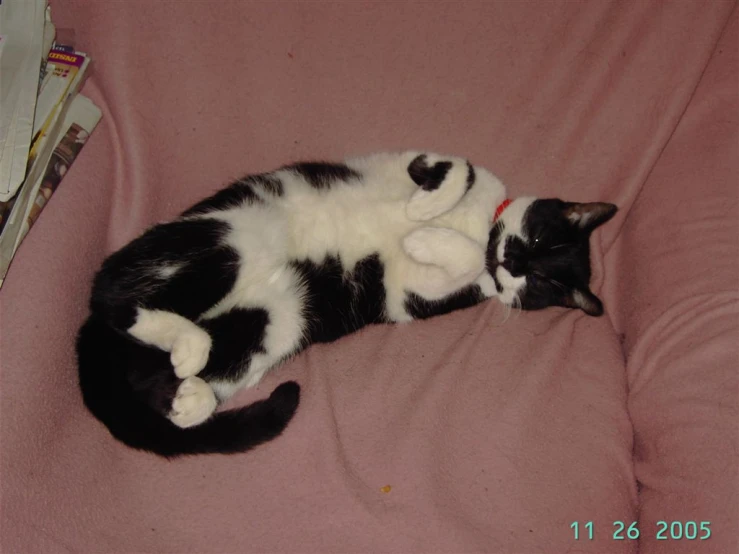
<point>457,254</point>
<point>425,205</point>
<point>419,245</point>
<point>194,403</point>
<point>190,352</point>
<point>440,190</point>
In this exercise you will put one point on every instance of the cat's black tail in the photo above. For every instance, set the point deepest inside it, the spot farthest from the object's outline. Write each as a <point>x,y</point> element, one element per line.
<point>123,385</point>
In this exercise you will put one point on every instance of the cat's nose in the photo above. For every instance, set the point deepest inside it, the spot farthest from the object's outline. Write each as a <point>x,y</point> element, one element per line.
<point>514,265</point>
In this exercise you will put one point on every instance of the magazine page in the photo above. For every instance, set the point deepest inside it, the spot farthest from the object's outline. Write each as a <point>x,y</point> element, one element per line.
<point>82,118</point>
<point>46,173</point>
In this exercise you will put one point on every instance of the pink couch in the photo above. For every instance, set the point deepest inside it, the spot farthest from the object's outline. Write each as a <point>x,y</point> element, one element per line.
<point>494,434</point>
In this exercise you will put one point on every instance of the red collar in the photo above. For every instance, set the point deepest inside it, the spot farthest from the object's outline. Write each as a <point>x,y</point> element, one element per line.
<point>501,209</point>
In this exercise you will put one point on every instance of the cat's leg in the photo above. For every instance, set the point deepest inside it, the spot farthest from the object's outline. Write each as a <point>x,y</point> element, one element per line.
<point>448,261</point>
<point>188,344</point>
<point>442,182</point>
<point>157,287</point>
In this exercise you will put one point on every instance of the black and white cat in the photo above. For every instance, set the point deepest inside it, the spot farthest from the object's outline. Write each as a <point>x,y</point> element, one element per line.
<point>195,309</point>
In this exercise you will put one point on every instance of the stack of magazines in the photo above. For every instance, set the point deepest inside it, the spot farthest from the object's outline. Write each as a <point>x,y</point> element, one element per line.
<point>44,121</point>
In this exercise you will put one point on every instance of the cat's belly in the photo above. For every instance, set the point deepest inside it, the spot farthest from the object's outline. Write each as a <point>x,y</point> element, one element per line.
<point>323,267</point>
<point>346,230</point>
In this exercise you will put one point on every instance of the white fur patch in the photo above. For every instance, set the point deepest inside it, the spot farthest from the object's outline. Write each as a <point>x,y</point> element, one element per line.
<point>487,285</point>
<point>511,285</point>
<point>581,219</point>
<point>512,219</point>
<point>166,271</point>
<point>579,299</point>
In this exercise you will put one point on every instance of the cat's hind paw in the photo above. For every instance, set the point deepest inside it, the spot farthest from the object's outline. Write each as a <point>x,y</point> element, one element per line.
<point>194,402</point>
<point>190,352</point>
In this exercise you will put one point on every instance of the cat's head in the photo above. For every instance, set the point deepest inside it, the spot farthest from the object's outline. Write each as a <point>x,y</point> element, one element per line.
<point>539,253</point>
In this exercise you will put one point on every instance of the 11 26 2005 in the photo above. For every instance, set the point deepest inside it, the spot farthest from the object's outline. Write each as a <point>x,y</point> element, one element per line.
<point>663,530</point>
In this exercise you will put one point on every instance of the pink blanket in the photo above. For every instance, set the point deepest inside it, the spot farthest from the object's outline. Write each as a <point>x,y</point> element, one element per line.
<point>473,432</point>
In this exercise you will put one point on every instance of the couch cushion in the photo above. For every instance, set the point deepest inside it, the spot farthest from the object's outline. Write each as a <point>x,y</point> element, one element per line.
<point>495,432</point>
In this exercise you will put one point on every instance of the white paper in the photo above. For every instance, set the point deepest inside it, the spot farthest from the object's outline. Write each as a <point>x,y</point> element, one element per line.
<point>22,24</point>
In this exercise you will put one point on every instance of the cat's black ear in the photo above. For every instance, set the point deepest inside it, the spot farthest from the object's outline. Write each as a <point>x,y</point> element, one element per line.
<point>586,301</point>
<point>589,215</point>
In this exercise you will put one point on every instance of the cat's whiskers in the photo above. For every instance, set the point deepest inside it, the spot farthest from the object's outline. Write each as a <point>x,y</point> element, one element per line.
<point>508,309</point>
<point>558,284</point>
<point>514,305</point>
<point>551,281</point>
<point>517,303</point>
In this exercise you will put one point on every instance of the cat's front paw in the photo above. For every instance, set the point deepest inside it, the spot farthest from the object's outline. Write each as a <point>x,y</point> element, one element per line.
<point>456,253</point>
<point>194,403</point>
<point>190,352</point>
<point>419,245</point>
<point>442,183</point>
<point>423,206</point>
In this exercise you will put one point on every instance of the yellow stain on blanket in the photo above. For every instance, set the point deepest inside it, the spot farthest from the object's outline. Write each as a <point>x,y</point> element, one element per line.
<point>386,489</point>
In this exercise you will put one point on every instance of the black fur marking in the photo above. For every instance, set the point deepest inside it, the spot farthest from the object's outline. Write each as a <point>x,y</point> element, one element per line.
<point>237,335</point>
<point>132,277</point>
<point>428,178</point>
<point>321,175</point>
<point>516,259</point>
<point>269,183</point>
<point>340,302</point>
<point>498,286</point>
<point>470,177</point>
<point>235,195</point>
<point>491,254</point>
<point>420,308</point>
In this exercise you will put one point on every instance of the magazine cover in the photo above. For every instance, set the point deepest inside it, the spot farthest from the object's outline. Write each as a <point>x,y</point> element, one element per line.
<point>65,73</point>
